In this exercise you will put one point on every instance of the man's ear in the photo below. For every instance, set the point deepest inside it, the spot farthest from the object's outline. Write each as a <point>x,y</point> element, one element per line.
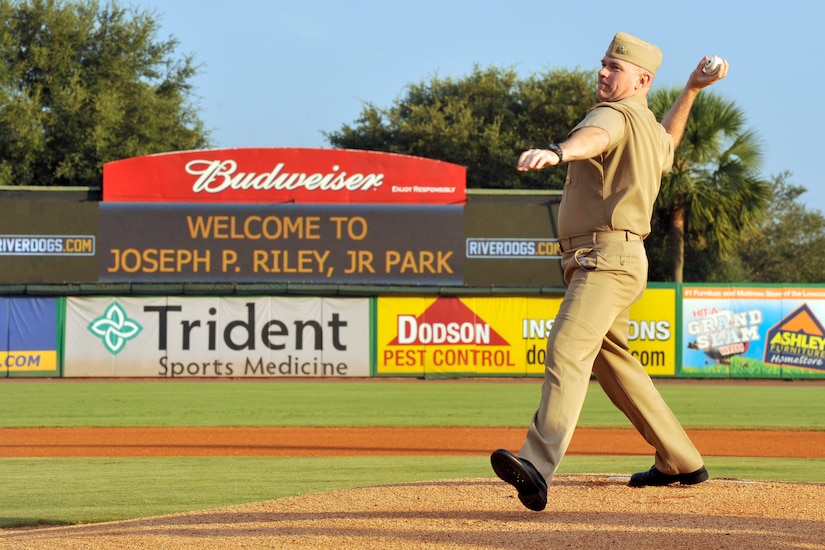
<point>645,80</point>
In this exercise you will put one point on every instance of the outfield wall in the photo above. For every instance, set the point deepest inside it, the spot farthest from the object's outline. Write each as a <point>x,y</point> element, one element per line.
<point>417,279</point>
<point>688,331</point>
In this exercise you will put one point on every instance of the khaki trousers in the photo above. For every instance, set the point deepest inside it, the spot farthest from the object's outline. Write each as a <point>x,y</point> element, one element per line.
<point>591,333</point>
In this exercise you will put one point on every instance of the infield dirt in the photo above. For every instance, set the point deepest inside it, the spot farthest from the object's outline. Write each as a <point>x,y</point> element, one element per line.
<point>268,441</point>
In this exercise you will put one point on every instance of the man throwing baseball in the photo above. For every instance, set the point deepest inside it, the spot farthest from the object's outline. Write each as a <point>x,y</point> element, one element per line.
<point>617,155</point>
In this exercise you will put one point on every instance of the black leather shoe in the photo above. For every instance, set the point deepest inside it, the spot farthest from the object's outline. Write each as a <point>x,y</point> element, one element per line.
<point>521,474</point>
<point>655,478</point>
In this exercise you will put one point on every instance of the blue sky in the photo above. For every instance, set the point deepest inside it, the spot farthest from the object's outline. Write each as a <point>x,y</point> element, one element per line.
<point>278,73</point>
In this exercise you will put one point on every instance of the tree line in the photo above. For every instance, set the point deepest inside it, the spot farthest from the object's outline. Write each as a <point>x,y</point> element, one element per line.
<point>84,83</point>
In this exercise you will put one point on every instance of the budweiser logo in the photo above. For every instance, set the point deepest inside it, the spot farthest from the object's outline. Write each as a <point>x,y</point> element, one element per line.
<point>215,176</point>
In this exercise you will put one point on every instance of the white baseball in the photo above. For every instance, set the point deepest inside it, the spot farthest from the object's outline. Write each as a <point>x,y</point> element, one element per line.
<point>713,64</point>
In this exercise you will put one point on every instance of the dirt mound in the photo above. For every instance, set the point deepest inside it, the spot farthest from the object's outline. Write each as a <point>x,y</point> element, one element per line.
<point>593,512</point>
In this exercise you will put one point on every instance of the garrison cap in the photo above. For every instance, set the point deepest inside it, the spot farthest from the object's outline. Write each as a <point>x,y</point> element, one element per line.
<point>633,50</point>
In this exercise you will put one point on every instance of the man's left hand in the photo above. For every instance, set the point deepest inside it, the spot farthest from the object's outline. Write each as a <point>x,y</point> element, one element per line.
<point>536,159</point>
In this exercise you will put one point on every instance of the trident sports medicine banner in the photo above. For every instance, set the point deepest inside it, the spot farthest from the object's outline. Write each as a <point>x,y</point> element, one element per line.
<point>181,337</point>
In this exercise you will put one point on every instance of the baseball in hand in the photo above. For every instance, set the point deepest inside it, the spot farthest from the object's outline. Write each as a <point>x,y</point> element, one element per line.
<point>713,64</point>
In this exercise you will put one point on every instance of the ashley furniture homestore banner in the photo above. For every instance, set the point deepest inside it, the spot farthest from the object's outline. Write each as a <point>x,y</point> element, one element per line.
<point>175,337</point>
<point>753,332</point>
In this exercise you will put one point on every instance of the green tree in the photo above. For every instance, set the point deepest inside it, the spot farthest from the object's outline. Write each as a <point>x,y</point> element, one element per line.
<point>713,196</point>
<point>82,84</point>
<point>482,121</point>
<point>788,247</point>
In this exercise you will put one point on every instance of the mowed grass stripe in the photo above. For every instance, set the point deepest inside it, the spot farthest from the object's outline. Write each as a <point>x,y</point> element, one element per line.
<point>482,403</point>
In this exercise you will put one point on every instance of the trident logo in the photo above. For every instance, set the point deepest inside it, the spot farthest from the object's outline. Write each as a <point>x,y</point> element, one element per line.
<point>115,328</point>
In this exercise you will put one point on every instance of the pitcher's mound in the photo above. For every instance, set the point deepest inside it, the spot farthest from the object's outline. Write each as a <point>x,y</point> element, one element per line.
<point>583,511</point>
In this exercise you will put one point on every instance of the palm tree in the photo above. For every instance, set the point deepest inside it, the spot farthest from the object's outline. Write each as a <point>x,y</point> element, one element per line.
<point>713,193</point>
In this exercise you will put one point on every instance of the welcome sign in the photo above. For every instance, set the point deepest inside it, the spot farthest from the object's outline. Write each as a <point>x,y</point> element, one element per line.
<point>306,243</point>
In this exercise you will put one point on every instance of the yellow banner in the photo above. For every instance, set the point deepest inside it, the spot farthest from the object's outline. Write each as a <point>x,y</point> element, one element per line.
<point>503,336</point>
<point>653,331</point>
<point>28,361</point>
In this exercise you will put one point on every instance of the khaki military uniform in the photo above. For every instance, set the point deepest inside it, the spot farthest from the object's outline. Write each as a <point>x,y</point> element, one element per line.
<point>604,216</point>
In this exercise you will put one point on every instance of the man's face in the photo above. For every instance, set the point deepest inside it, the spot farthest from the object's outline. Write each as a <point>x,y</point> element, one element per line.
<point>618,79</point>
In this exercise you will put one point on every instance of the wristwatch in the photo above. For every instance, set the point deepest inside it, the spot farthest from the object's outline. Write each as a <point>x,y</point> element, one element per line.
<point>556,149</point>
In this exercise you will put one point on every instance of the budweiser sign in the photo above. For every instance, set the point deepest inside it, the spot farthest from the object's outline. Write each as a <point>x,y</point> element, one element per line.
<point>284,175</point>
<point>215,176</point>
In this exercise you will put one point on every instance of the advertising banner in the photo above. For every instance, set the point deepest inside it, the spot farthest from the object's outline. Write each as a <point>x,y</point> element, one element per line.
<point>502,336</point>
<point>28,337</point>
<point>654,332</point>
<point>200,337</point>
<point>512,241</point>
<point>753,332</point>
<point>48,241</point>
<point>277,175</point>
<point>356,244</point>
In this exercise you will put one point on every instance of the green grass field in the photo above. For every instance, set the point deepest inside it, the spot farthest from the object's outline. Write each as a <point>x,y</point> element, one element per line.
<point>37,491</point>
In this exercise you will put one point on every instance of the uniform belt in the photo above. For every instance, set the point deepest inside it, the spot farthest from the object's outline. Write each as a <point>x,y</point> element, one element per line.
<point>587,239</point>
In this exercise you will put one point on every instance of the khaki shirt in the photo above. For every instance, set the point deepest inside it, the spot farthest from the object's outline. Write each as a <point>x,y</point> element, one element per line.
<point>617,189</point>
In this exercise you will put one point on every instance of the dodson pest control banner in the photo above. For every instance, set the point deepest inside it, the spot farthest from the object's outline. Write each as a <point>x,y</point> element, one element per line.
<point>503,336</point>
<point>181,337</point>
<point>270,175</point>
<point>28,336</point>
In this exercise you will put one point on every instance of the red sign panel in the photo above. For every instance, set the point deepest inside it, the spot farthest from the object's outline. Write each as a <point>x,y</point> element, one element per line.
<point>277,175</point>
